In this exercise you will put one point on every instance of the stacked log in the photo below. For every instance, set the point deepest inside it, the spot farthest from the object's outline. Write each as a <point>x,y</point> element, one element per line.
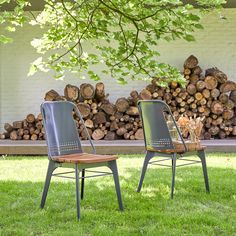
<point>30,128</point>
<point>210,96</point>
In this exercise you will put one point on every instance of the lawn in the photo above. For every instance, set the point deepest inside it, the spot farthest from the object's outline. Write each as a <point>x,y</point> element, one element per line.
<point>151,212</point>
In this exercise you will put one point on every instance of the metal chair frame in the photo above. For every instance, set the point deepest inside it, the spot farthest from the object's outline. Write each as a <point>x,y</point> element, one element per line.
<point>78,167</point>
<point>167,146</point>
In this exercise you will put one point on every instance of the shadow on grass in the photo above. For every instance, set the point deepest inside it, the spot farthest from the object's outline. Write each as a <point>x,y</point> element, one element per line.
<point>150,212</point>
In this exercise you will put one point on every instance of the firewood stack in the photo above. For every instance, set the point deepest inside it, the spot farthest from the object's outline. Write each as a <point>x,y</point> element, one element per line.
<point>31,128</point>
<point>211,96</point>
<point>103,119</point>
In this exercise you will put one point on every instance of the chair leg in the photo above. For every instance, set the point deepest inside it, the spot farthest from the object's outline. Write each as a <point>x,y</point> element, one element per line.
<point>77,190</point>
<point>82,184</point>
<point>202,157</point>
<point>147,158</point>
<point>173,175</point>
<point>51,168</point>
<point>112,165</point>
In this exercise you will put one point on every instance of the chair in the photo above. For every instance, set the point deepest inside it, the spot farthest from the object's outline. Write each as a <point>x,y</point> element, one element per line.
<point>158,141</point>
<point>64,150</point>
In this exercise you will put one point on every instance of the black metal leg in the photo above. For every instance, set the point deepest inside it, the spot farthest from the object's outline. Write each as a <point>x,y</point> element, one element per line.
<point>77,190</point>
<point>147,158</point>
<point>51,168</point>
<point>202,157</point>
<point>173,174</point>
<point>82,184</point>
<point>112,165</point>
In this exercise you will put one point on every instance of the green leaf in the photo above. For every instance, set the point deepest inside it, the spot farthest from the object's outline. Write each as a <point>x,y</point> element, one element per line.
<point>189,38</point>
<point>4,39</point>
<point>198,26</point>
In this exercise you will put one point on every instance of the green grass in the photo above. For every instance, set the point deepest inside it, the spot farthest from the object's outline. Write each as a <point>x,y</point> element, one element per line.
<point>151,212</point>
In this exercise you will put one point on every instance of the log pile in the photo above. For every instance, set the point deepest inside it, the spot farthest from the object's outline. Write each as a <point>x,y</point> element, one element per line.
<point>210,96</point>
<point>31,128</point>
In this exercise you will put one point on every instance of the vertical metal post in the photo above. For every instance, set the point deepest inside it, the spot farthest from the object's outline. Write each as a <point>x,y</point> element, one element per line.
<point>77,190</point>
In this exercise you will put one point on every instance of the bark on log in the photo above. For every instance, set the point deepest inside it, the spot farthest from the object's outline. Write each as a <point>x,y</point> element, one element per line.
<point>84,109</point>
<point>133,111</point>
<point>194,79</point>
<point>122,104</point>
<point>98,134</point>
<point>191,62</point>
<point>191,89</point>
<point>121,131</point>
<point>110,136</point>
<point>228,114</point>
<point>100,91</point>
<point>99,118</point>
<point>232,96</point>
<point>87,91</point>
<point>215,93</point>
<point>8,127</point>
<point>30,118</point>
<point>211,82</point>
<point>217,108</point>
<point>139,134</point>
<point>219,75</point>
<point>17,124</point>
<point>34,137</point>
<point>197,70</point>
<point>214,130</point>
<point>200,85</point>
<point>224,98</point>
<point>71,92</point>
<point>52,95</point>
<point>228,86</point>
<point>4,135</point>
<point>113,126</point>
<point>206,93</point>
<point>89,123</point>
<point>13,135</point>
<point>108,108</point>
<point>229,104</point>
<point>145,95</point>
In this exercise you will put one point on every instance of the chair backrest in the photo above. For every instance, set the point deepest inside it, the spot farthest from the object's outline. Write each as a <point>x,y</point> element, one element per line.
<point>156,132</point>
<point>60,128</point>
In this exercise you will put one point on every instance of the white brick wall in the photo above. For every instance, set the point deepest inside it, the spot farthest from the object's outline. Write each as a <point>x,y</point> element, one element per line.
<point>19,95</point>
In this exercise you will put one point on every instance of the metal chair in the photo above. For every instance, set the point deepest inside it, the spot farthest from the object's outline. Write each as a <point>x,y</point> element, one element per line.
<point>158,141</point>
<point>64,150</point>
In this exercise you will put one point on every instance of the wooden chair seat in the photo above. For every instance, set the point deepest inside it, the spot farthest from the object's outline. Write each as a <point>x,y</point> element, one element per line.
<point>179,148</point>
<point>84,158</point>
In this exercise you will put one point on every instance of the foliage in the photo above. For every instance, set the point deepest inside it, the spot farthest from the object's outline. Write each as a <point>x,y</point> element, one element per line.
<point>119,36</point>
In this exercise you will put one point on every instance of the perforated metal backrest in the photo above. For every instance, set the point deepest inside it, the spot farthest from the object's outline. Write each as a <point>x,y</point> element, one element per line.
<point>156,132</point>
<point>61,131</point>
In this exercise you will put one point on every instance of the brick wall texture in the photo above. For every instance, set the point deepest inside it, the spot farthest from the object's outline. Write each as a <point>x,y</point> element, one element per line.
<point>20,95</point>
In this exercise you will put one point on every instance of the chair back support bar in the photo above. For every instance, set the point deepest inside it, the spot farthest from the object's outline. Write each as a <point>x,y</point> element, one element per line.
<point>156,132</point>
<point>61,131</point>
